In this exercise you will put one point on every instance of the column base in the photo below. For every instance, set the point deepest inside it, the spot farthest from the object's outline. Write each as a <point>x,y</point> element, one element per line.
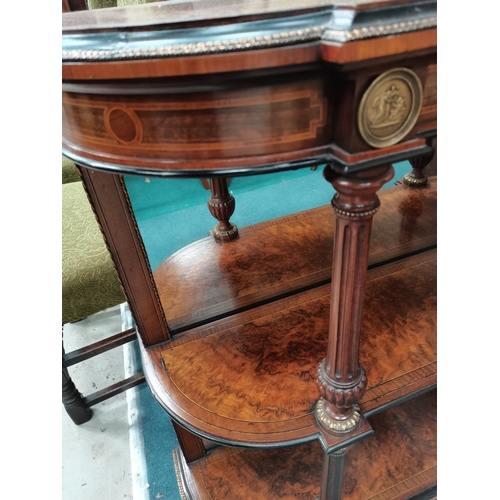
<point>411,181</point>
<point>223,236</point>
<point>332,425</point>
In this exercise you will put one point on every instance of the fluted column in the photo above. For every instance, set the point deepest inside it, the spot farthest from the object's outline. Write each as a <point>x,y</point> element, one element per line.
<point>417,178</point>
<point>340,378</point>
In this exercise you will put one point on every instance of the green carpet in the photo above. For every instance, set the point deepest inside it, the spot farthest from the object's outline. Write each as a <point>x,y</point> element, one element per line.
<point>172,213</point>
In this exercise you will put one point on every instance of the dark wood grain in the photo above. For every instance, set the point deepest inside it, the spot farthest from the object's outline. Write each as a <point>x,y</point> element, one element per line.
<point>193,65</point>
<point>341,380</point>
<point>258,121</point>
<point>428,114</point>
<point>114,389</point>
<point>267,119</point>
<point>192,446</point>
<point>287,98</point>
<point>72,400</point>
<point>350,85</point>
<point>74,5</point>
<point>277,257</point>
<point>221,205</point>
<point>89,351</point>
<point>402,454</point>
<point>251,378</point>
<point>397,461</point>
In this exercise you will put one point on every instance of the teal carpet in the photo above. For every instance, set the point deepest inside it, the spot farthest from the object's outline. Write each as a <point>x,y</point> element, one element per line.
<point>171,213</point>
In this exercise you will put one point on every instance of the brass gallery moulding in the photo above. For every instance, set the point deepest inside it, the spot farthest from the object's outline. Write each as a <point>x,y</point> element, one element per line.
<point>390,107</point>
<point>379,30</point>
<point>206,47</point>
<point>255,42</point>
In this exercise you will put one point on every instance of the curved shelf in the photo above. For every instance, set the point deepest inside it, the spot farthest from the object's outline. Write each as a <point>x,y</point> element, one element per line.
<point>398,462</point>
<point>282,256</point>
<point>249,380</point>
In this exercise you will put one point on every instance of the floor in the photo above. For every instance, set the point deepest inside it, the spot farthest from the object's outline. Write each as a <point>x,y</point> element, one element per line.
<point>102,459</point>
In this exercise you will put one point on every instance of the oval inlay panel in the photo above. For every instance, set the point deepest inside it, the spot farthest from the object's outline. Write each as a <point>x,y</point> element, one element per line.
<point>123,125</point>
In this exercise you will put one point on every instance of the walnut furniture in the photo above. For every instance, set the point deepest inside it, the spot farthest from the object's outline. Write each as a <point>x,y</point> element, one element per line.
<point>299,359</point>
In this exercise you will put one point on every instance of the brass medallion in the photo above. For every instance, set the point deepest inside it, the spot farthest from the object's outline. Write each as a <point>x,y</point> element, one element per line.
<point>390,107</point>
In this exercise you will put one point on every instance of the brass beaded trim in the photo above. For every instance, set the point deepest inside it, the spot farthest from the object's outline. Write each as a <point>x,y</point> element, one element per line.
<point>336,425</point>
<point>355,214</point>
<point>184,49</point>
<point>408,179</point>
<point>223,234</point>
<point>384,29</point>
<point>256,42</point>
<point>178,476</point>
<point>143,248</point>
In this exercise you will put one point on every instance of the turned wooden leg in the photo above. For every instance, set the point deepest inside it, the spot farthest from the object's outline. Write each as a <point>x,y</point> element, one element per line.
<point>73,401</point>
<point>340,378</point>
<point>416,178</point>
<point>221,205</point>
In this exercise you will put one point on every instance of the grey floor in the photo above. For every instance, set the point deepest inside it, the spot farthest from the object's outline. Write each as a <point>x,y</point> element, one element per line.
<point>103,459</point>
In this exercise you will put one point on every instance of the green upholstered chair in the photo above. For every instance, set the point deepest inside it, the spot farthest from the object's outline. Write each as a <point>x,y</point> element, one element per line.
<point>89,280</point>
<point>101,4</point>
<point>69,171</point>
<point>90,284</point>
<point>104,4</point>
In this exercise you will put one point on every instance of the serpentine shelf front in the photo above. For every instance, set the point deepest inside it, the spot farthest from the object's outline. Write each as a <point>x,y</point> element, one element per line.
<point>249,379</point>
<point>282,256</point>
<point>397,463</point>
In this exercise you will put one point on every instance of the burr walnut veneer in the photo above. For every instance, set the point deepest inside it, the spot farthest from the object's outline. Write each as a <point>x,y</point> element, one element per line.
<point>296,357</point>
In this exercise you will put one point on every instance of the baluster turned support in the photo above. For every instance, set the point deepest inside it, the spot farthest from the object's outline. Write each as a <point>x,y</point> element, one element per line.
<point>221,205</point>
<point>340,378</point>
<point>416,178</point>
<point>72,399</point>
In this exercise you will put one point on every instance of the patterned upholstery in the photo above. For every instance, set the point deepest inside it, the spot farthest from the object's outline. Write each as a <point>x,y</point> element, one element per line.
<point>89,280</point>
<point>101,4</point>
<point>69,171</point>
<point>104,4</point>
<point>123,3</point>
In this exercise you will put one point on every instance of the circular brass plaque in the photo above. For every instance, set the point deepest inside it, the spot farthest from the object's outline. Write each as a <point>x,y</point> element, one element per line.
<point>390,107</point>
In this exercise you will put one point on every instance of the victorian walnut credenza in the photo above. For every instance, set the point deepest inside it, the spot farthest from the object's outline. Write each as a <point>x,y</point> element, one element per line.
<point>297,357</point>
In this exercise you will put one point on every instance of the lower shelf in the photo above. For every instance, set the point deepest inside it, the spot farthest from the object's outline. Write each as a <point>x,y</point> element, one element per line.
<point>397,462</point>
<point>250,380</point>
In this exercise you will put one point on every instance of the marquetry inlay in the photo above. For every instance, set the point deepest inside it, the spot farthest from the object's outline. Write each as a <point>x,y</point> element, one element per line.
<point>123,125</point>
<point>262,120</point>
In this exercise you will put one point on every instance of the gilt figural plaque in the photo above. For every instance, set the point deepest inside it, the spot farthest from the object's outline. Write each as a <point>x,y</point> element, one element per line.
<point>390,107</point>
